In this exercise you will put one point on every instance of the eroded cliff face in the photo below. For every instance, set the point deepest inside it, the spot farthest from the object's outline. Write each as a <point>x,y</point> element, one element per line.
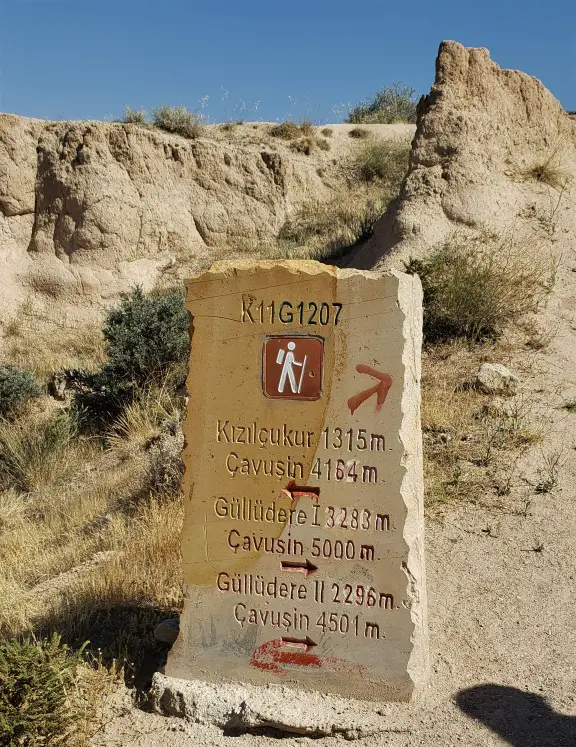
<point>88,209</point>
<point>481,132</point>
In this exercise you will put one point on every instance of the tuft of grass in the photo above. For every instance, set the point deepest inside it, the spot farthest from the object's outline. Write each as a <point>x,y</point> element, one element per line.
<point>36,450</point>
<point>134,116</point>
<point>286,131</point>
<point>550,171</point>
<point>179,120</point>
<point>142,421</point>
<point>474,287</point>
<point>323,230</point>
<point>322,144</point>
<point>382,160</point>
<point>395,103</point>
<point>326,131</point>
<point>359,133</point>
<point>549,472</point>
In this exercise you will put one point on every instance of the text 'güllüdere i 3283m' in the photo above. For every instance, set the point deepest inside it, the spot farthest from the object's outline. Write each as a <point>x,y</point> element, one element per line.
<point>302,543</point>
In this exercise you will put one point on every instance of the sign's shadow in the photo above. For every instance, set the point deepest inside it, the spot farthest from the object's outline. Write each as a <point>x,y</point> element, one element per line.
<point>523,719</point>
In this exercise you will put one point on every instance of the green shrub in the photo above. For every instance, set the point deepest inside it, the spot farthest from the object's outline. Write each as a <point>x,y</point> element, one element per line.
<point>16,388</point>
<point>147,343</point>
<point>473,288</point>
<point>36,677</point>
<point>393,104</point>
<point>179,120</point>
<point>383,159</point>
<point>134,116</point>
<point>327,131</point>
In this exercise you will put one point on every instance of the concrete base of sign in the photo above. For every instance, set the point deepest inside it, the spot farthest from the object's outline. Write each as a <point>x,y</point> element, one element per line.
<point>241,707</point>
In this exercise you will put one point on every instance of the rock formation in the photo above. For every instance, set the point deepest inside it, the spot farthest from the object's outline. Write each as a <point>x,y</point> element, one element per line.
<point>484,137</point>
<point>89,208</point>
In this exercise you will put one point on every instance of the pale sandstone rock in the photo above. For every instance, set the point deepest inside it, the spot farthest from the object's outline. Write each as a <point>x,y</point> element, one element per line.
<point>90,209</point>
<point>479,131</point>
<point>494,378</point>
<point>352,622</point>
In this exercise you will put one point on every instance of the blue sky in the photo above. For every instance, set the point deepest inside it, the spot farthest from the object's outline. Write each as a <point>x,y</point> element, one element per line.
<point>87,59</point>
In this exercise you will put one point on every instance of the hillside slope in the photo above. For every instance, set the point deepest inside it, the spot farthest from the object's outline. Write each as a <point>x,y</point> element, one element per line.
<point>88,209</point>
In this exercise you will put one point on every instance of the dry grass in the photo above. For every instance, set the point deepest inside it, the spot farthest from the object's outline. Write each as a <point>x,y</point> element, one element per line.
<point>142,421</point>
<point>472,441</point>
<point>66,502</point>
<point>40,346</point>
<point>551,170</point>
<point>178,120</point>
<point>39,449</point>
<point>475,286</point>
<point>325,229</point>
<point>385,160</point>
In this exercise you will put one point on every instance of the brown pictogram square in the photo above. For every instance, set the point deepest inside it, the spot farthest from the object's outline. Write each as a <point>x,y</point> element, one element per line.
<point>292,367</point>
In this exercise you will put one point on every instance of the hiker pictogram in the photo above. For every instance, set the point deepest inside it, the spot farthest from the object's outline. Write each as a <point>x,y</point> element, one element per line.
<point>287,359</point>
<point>292,367</point>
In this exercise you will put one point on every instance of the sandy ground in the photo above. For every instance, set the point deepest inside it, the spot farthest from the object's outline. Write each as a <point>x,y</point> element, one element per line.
<point>501,585</point>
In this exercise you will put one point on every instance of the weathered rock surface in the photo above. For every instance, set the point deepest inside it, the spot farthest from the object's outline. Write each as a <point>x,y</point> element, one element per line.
<point>481,131</point>
<point>89,209</point>
<point>494,378</point>
<point>243,707</point>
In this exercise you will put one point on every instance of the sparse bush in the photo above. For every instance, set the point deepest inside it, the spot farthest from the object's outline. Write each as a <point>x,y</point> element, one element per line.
<point>305,145</point>
<point>360,133</point>
<point>179,120</point>
<point>36,678</point>
<point>322,144</point>
<point>134,116</point>
<point>383,159</point>
<point>147,342</point>
<point>393,104</point>
<point>474,287</point>
<point>286,131</point>
<point>16,388</point>
<point>326,131</point>
<point>307,128</point>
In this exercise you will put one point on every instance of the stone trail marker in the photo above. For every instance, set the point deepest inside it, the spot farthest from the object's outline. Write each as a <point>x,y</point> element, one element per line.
<point>302,543</point>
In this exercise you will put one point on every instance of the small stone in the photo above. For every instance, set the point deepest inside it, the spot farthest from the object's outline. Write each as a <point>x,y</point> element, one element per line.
<point>494,378</point>
<point>167,631</point>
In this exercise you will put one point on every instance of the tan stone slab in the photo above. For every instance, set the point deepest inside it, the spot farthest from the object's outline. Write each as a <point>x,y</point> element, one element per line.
<point>303,537</point>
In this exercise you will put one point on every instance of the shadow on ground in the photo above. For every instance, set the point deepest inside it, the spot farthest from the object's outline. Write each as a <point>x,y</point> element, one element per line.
<point>522,719</point>
<point>120,632</point>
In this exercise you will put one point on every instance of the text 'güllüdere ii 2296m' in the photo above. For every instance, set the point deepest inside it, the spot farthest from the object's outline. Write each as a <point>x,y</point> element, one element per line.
<point>302,543</point>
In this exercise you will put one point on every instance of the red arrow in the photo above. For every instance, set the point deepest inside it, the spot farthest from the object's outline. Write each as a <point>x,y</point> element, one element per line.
<point>307,568</point>
<point>380,389</point>
<point>271,656</point>
<point>275,656</point>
